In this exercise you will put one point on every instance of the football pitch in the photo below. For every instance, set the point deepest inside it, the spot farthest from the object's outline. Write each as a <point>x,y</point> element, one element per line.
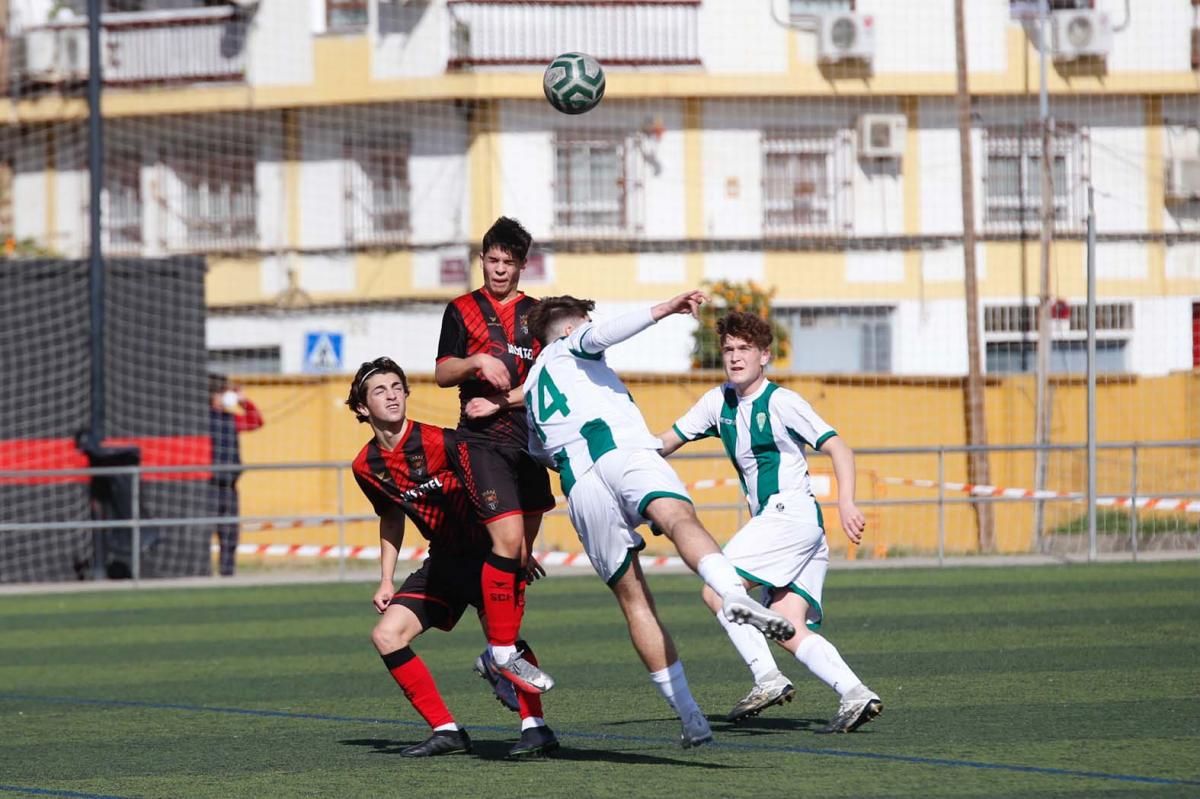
<point>1077,681</point>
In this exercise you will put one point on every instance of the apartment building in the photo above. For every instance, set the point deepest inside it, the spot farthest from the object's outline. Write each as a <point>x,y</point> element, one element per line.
<point>337,160</point>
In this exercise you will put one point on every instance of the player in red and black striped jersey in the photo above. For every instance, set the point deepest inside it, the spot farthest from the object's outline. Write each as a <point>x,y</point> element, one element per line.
<point>486,350</point>
<point>410,470</point>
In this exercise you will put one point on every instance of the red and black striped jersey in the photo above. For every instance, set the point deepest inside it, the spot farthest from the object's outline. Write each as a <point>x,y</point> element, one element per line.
<point>474,323</point>
<point>420,477</point>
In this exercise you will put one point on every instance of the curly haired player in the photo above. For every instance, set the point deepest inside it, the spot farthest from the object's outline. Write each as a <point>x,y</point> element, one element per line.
<point>765,428</point>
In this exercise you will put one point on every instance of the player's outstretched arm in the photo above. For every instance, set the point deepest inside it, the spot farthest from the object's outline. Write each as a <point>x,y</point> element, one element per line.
<point>688,302</point>
<point>670,442</point>
<point>391,536</point>
<point>602,335</point>
<point>853,521</point>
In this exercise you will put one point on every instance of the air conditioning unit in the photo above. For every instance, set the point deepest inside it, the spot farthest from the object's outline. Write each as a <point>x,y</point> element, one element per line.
<point>846,37</point>
<point>1080,33</point>
<point>54,55</point>
<point>881,135</point>
<point>1183,179</point>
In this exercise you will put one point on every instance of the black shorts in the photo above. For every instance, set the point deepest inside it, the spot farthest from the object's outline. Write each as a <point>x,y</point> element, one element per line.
<point>439,592</point>
<point>504,481</point>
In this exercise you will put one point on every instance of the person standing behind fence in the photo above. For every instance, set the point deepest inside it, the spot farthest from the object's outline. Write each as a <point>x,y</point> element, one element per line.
<point>230,412</point>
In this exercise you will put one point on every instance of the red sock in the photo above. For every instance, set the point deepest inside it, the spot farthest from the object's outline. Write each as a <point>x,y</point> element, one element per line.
<point>503,599</point>
<point>413,677</point>
<point>529,704</point>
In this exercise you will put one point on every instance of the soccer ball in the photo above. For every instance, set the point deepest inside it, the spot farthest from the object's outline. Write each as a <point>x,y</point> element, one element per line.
<point>574,83</point>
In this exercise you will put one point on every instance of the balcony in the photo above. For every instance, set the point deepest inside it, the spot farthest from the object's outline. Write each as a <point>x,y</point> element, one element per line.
<point>137,49</point>
<point>487,33</point>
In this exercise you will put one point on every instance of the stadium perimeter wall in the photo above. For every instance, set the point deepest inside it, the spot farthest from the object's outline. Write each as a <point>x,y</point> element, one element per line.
<point>307,421</point>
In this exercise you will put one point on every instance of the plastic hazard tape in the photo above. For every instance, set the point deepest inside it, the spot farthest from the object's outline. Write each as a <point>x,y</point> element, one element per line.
<point>417,553</point>
<point>1142,503</point>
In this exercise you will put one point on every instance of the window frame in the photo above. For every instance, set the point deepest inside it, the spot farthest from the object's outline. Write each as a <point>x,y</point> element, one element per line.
<point>332,19</point>
<point>241,230</point>
<point>1015,325</point>
<point>569,214</point>
<point>878,321</point>
<point>362,216</point>
<point>1024,144</point>
<point>835,201</point>
<point>123,165</point>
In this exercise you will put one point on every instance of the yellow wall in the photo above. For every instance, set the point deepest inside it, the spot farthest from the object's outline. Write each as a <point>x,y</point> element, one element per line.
<point>306,420</point>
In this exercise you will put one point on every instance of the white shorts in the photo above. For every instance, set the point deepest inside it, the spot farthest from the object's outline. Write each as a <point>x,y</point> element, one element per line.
<point>607,504</point>
<point>782,548</point>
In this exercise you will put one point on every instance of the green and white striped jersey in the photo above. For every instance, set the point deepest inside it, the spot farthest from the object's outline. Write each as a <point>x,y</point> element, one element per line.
<point>764,435</point>
<point>578,409</point>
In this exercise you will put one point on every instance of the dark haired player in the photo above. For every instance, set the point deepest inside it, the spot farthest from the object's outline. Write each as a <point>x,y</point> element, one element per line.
<point>486,350</point>
<point>407,470</point>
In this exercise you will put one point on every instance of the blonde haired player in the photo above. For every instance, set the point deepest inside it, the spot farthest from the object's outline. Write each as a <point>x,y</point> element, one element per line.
<point>764,428</point>
<point>583,423</point>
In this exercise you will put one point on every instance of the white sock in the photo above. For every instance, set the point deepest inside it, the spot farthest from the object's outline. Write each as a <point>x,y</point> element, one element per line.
<point>501,654</point>
<point>751,645</point>
<point>529,722</point>
<point>446,727</point>
<point>673,685</point>
<point>823,660</point>
<point>718,574</point>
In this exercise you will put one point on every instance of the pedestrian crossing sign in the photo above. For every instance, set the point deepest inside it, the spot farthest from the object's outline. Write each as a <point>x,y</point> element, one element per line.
<point>322,352</point>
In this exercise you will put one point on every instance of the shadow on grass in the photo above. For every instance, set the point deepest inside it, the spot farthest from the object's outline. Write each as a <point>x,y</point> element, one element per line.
<point>498,750</point>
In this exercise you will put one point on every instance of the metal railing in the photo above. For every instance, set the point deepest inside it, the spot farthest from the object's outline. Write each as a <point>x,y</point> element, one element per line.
<point>192,45</point>
<point>946,494</point>
<point>628,33</point>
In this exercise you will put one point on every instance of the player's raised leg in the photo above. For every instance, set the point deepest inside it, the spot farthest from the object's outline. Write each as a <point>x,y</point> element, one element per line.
<point>503,583</point>
<point>676,518</point>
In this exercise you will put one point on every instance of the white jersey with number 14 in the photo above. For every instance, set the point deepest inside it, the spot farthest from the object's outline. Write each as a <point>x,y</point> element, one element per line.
<point>578,408</point>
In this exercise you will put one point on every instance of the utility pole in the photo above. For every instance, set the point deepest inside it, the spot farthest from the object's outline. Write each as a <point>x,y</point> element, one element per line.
<point>1042,398</point>
<point>978,472</point>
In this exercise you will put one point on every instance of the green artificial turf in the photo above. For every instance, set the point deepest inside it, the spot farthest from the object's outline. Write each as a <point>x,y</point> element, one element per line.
<point>1072,681</point>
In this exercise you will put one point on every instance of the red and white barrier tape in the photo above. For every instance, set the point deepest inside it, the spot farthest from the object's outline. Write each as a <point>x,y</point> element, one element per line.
<point>296,524</point>
<point>417,553</point>
<point>1142,503</point>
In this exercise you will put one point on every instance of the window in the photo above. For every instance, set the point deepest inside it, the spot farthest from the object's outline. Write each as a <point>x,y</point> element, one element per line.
<point>802,175</point>
<point>839,340</point>
<point>1013,180</point>
<point>806,8</point>
<point>591,184</point>
<point>377,191</point>
<point>122,204</point>
<point>343,16</point>
<point>245,360</point>
<point>216,202</point>
<point>1030,9</point>
<point>1010,338</point>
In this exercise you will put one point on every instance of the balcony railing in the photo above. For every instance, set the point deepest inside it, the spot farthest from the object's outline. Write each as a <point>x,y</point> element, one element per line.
<point>153,47</point>
<point>616,32</point>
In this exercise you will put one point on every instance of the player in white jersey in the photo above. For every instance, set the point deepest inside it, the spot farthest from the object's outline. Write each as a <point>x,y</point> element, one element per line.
<point>583,423</point>
<point>764,428</point>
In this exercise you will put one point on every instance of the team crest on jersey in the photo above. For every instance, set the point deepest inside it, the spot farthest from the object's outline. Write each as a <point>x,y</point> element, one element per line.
<point>761,420</point>
<point>416,463</point>
<point>490,499</point>
<point>524,323</point>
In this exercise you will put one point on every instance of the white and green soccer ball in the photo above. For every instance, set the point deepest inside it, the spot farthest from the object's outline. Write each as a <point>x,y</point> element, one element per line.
<point>574,83</point>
